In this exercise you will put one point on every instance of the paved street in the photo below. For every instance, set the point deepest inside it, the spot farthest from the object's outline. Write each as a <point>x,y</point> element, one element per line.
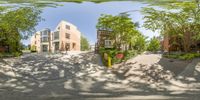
<point>82,76</point>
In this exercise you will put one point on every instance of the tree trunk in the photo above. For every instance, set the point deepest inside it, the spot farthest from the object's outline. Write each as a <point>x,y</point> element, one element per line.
<point>186,44</point>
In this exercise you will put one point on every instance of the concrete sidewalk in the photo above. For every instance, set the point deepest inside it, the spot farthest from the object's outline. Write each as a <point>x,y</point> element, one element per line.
<point>190,77</point>
<point>82,77</point>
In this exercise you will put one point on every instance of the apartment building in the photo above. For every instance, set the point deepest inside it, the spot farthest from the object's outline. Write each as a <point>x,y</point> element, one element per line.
<point>174,43</point>
<point>65,37</point>
<point>103,40</point>
<point>35,42</point>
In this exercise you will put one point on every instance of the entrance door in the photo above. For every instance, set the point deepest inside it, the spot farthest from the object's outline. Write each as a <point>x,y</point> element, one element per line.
<point>44,48</point>
<point>74,46</point>
<point>67,46</point>
<point>56,46</point>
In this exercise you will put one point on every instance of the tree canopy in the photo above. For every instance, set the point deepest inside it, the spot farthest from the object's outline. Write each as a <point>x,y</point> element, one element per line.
<point>54,3</point>
<point>17,24</point>
<point>182,22</point>
<point>154,45</point>
<point>123,31</point>
<point>84,44</point>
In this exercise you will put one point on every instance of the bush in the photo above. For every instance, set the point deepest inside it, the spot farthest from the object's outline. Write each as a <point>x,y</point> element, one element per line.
<point>129,54</point>
<point>113,52</point>
<point>187,56</point>
<point>16,54</point>
<point>33,51</point>
<point>115,60</point>
<point>1,55</point>
<point>7,54</point>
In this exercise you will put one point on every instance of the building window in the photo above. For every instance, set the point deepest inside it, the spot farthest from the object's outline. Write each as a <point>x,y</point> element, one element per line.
<point>67,35</point>
<point>67,27</point>
<point>108,44</point>
<point>44,39</point>
<point>56,35</point>
<point>44,33</point>
<point>58,28</point>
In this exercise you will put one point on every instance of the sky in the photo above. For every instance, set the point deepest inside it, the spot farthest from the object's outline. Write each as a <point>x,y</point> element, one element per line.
<point>85,16</point>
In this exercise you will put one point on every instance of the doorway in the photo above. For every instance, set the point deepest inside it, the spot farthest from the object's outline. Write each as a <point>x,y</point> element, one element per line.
<point>44,48</point>
<point>74,46</point>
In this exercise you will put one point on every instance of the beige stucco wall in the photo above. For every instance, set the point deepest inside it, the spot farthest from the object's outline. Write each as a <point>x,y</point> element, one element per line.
<point>35,40</point>
<point>74,35</point>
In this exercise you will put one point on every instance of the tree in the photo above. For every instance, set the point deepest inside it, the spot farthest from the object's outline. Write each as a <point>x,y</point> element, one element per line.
<point>29,47</point>
<point>33,48</point>
<point>122,30</point>
<point>17,24</point>
<point>154,45</point>
<point>84,44</point>
<point>140,43</point>
<point>182,23</point>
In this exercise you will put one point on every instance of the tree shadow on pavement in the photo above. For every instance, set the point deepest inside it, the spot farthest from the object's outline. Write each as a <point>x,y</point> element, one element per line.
<point>42,78</point>
<point>173,65</point>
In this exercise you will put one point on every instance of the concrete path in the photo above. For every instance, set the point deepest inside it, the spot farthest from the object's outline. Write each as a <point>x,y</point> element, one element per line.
<point>81,76</point>
<point>190,77</point>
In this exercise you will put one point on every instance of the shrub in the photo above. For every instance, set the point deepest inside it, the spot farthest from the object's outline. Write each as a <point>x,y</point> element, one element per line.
<point>1,55</point>
<point>16,54</point>
<point>33,51</point>
<point>187,56</point>
<point>113,52</point>
<point>129,54</point>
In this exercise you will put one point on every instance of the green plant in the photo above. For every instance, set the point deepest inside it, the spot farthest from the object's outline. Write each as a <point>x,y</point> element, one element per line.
<point>176,24</point>
<point>187,56</point>
<point>122,30</point>
<point>17,24</point>
<point>84,44</point>
<point>129,54</point>
<point>16,54</point>
<point>1,55</point>
<point>154,45</point>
